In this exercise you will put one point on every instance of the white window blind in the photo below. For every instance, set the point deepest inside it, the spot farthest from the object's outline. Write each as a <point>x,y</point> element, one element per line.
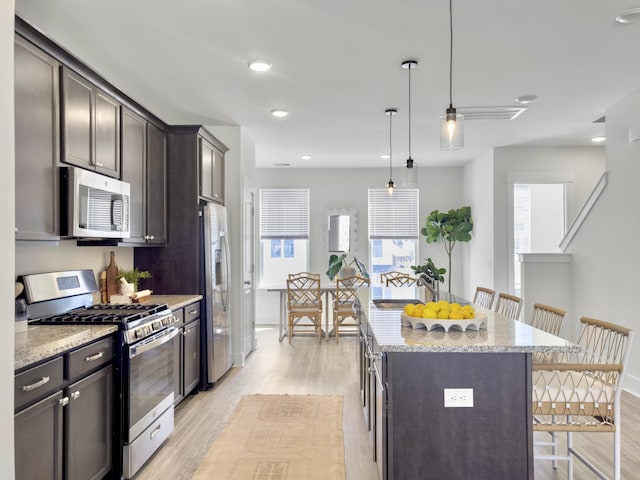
<point>393,216</point>
<point>284,213</point>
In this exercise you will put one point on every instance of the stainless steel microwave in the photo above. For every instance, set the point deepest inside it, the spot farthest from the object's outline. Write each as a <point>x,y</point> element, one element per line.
<point>93,205</point>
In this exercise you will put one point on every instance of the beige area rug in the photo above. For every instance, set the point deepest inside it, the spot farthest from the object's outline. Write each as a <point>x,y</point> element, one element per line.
<point>279,437</point>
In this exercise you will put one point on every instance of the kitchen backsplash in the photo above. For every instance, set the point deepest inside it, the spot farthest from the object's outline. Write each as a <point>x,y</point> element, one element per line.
<point>68,256</point>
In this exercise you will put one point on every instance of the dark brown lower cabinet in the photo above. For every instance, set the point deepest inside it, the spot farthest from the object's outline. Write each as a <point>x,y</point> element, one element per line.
<point>414,437</point>
<point>88,425</point>
<point>38,440</point>
<point>68,432</point>
<point>186,347</point>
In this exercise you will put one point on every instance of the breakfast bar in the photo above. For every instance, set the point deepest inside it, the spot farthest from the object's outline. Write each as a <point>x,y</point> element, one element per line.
<point>454,404</point>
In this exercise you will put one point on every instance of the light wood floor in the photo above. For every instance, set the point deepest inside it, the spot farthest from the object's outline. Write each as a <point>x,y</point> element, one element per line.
<point>309,367</point>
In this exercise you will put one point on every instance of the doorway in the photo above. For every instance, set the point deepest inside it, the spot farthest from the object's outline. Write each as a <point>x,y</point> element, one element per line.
<point>539,223</point>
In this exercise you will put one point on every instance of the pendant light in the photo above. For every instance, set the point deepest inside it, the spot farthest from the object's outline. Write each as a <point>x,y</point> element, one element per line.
<point>410,173</point>
<point>452,123</point>
<point>391,112</point>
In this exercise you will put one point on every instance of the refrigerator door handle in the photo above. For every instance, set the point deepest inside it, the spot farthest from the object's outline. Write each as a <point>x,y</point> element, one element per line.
<point>225,291</point>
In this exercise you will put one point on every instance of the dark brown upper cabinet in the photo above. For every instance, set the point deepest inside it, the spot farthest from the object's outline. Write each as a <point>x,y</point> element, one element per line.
<point>211,172</point>
<point>90,125</point>
<point>144,148</point>
<point>37,133</point>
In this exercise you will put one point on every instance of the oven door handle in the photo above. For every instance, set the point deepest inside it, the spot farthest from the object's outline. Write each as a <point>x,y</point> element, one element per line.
<point>158,339</point>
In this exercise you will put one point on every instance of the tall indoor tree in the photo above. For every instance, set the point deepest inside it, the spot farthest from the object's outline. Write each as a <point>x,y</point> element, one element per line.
<point>449,228</point>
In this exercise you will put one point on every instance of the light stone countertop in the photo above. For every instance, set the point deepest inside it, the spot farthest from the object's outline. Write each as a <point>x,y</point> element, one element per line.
<point>41,342</point>
<point>175,301</point>
<point>502,335</point>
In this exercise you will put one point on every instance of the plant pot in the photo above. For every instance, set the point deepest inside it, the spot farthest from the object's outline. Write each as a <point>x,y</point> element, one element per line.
<point>347,271</point>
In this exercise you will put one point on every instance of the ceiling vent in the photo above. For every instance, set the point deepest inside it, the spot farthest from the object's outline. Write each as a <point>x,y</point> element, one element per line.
<point>281,164</point>
<point>490,113</point>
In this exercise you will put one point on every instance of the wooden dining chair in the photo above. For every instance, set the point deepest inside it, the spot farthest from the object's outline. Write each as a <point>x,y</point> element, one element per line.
<point>397,279</point>
<point>547,318</point>
<point>509,306</point>
<point>345,314</point>
<point>581,392</point>
<point>484,297</point>
<point>293,276</point>
<point>304,301</point>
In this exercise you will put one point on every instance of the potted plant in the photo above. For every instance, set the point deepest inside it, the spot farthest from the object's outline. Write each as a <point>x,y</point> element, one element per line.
<point>448,228</point>
<point>133,276</point>
<point>430,276</point>
<point>339,262</point>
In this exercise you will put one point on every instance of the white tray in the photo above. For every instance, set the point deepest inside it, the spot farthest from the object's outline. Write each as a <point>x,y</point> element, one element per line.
<point>431,323</point>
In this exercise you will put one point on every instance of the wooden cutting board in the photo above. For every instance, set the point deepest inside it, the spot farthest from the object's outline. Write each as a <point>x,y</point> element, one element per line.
<point>113,287</point>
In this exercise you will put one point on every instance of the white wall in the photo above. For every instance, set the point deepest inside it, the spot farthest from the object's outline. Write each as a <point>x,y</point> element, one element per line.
<point>440,188</point>
<point>583,164</point>
<point>605,253</point>
<point>67,256</point>
<point>7,235</point>
<point>478,187</point>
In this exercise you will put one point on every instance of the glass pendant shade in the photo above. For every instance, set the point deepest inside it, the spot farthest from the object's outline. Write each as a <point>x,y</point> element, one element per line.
<point>451,130</point>
<point>410,174</point>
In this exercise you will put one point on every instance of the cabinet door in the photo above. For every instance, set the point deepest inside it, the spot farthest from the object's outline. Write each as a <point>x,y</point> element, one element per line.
<point>217,182</point>
<point>156,185</point>
<point>37,133</point>
<point>191,356</point>
<point>178,362</point>
<point>106,134</point>
<point>77,117</point>
<point>134,149</point>
<point>38,440</point>
<point>89,424</point>
<point>207,161</point>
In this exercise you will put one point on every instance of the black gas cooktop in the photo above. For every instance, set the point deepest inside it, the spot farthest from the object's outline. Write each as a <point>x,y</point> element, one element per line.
<point>116,314</point>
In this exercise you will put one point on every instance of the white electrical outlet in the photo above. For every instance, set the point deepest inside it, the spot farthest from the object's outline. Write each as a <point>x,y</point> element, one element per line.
<point>458,397</point>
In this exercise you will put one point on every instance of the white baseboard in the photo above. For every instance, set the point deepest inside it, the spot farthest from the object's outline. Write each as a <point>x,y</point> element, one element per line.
<point>632,385</point>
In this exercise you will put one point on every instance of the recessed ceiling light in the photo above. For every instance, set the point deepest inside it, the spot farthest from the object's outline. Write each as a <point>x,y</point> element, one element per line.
<point>385,156</point>
<point>526,99</point>
<point>305,157</point>
<point>598,139</point>
<point>279,113</point>
<point>259,66</point>
<point>629,16</point>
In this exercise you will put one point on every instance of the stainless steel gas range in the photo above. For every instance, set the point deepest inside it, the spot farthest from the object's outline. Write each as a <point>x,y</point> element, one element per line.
<point>143,360</point>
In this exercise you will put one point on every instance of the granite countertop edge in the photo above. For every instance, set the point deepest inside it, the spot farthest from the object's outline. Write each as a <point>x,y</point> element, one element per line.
<point>42,342</point>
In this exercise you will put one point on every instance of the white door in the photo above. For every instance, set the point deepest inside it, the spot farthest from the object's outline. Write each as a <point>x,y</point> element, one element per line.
<point>249,342</point>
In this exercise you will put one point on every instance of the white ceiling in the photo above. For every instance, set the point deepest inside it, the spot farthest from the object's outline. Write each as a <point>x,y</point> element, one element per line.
<point>336,68</point>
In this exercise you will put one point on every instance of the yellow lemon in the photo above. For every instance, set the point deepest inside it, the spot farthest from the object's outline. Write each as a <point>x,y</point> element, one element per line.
<point>429,313</point>
<point>409,309</point>
<point>467,314</point>
<point>443,314</point>
<point>417,311</point>
<point>433,306</point>
<point>455,306</point>
<point>456,315</point>
<point>443,303</point>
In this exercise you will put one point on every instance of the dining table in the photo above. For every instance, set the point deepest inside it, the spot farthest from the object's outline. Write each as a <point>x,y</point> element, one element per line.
<point>326,290</point>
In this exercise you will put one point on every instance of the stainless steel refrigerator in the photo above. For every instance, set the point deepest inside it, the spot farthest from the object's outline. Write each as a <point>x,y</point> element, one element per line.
<point>217,328</point>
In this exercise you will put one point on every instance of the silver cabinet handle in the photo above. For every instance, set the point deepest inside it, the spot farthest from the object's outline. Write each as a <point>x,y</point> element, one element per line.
<point>149,237</point>
<point>33,386</point>
<point>193,312</point>
<point>247,282</point>
<point>75,395</point>
<point>155,432</point>
<point>63,401</point>
<point>91,358</point>
<point>98,164</point>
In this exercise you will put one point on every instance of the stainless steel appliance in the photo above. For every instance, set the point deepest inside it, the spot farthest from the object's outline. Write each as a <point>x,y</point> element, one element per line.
<point>93,205</point>
<point>217,328</point>
<point>143,363</point>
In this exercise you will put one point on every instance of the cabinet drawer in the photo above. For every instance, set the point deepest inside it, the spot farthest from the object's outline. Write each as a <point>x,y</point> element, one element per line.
<point>38,381</point>
<point>191,312</point>
<point>179,315</point>
<point>90,357</point>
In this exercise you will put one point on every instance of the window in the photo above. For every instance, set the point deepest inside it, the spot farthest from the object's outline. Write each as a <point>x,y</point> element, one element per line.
<point>284,234</point>
<point>393,231</point>
<point>538,222</point>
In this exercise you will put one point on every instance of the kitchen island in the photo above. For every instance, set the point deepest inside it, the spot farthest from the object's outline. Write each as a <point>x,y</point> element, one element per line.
<point>403,374</point>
